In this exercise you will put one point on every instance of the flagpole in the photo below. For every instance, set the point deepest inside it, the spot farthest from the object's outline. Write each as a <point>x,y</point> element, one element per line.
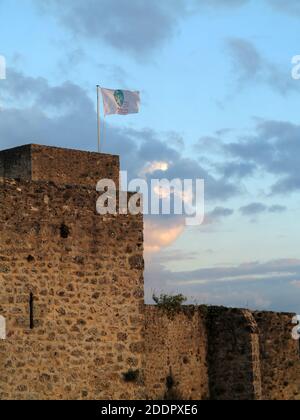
<point>98,116</point>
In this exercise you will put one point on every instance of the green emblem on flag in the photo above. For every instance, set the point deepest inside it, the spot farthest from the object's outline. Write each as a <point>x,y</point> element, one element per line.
<point>119,97</point>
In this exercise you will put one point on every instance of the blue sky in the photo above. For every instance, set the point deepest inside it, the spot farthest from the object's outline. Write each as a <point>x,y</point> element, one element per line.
<point>218,101</point>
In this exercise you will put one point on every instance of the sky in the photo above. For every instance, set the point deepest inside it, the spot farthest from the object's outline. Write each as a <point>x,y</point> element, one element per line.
<point>218,103</point>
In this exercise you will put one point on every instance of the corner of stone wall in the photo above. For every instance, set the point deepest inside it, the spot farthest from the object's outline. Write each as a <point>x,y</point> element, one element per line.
<point>233,356</point>
<point>279,355</point>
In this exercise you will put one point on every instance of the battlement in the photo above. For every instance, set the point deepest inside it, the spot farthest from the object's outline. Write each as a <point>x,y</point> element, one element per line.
<point>34,162</point>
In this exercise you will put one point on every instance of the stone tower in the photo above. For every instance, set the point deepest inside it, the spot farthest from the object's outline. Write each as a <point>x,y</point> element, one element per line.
<point>71,281</point>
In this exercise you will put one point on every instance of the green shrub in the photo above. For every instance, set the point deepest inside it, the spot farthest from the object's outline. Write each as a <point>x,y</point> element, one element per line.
<point>171,304</point>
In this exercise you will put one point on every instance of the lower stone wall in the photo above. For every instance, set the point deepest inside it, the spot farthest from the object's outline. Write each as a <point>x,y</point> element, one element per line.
<point>279,356</point>
<point>220,354</point>
<point>175,364</point>
<point>233,358</point>
<point>85,273</point>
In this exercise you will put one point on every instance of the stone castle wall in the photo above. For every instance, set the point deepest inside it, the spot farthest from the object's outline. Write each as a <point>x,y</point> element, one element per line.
<point>72,293</point>
<point>176,355</point>
<point>16,163</point>
<point>61,166</point>
<point>221,354</point>
<point>233,343</point>
<point>85,275</point>
<point>279,356</point>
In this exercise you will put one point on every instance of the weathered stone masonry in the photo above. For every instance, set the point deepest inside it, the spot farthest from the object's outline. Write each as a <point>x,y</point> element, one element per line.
<point>85,273</point>
<point>71,290</point>
<point>221,354</point>
<point>61,166</point>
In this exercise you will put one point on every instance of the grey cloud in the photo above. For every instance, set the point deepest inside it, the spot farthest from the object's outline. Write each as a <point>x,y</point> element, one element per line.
<point>215,188</point>
<point>174,256</point>
<point>208,144</point>
<point>134,26</point>
<point>220,212</point>
<point>118,74</point>
<point>277,209</point>
<point>151,143</point>
<point>17,86</point>
<point>287,185</point>
<point>247,271</point>
<point>224,3</point>
<point>73,125</point>
<point>71,60</point>
<point>245,285</point>
<point>246,60</point>
<point>250,66</point>
<point>64,115</point>
<point>216,215</point>
<point>258,208</point>
<point>291,7</point>
<point>216,4</point>
<point>253,209</point>
<point>223,131</point>
<point>40,93</point>
<point>152,147</point>
<point>274,148</point>
<point>237,169</point>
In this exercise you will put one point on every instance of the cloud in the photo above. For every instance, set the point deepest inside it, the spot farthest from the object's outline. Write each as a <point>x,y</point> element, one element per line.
<point>258,208</point>
<point>208,144</point>
<point>253,209</point>
<point>277,209</point>
<point>217,214</point>
<point>222,3</point>
<point>161,232</point>
<point>246,60</point>
<point>274,147</point>
<point>214,5</point>
<point>237,169</point>
<point>154,166</point>
<point>291,7</point>
<point>175,255</point>
<point>221,212</point>
<point>257,285</point>
<point>51,115</point>
<point>65,116</point>
<point>215,188</point>
<point>135,26</point>
<point>250,66</point>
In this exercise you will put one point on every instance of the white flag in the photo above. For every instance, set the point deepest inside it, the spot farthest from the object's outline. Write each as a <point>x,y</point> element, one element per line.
<point>122,102</point>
